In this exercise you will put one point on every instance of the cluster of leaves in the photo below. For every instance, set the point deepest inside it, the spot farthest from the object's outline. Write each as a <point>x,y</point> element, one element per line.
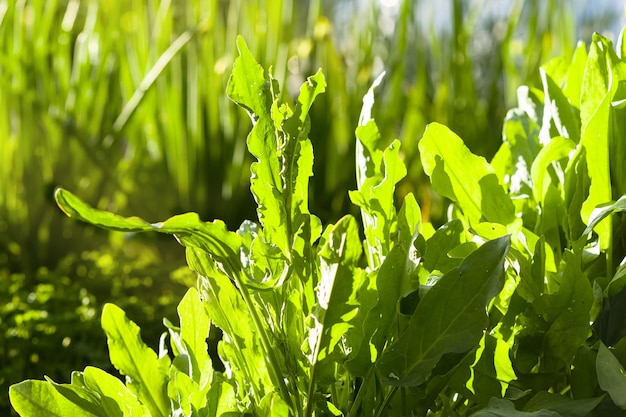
<point>511,308</point>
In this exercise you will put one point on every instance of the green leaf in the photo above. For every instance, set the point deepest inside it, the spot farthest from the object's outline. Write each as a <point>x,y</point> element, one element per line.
<point>273,406</point>
<point>335,294</point>
<point>602,73</point>
<point>194,330</point>
<point>446,238</point>
<point>145,377</point>
<point>611,376</point>
<point>212,237</point>
<point>279,141</point>
<point>378,169</point>
<point>248,87</point>
<point>40,398</point>
<point>505,408</point>
<point>377,322</point>
<point>225,307</point>
<point>521,143</point>
<point>115,398</point>
<point>564,406</point>
<point>555,150</point>
<point>382,168</point>
<point>463,177</point>
<point>450,318</point>
<point>602,212</point>
<point>558,110</point>
<point>558,324</point>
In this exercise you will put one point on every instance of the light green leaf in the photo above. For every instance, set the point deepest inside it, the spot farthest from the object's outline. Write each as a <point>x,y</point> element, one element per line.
<point>555,150</point>
<point>600,82</point>
<point>611,376</point>
<point>273,406</point>
<point>221,399</point>
<point>249,88</point>
<point>558,110</point>
<point>194,330</point>
<point>40,398</point>
<point>602,212</point>
<point>336,300</point>
<point>463,177</point>
<point>618,281</point>
<point>450,318</point>
<point>228,311</point>
<point>116,399</point>
<point>212,237</point>
<point>137,361</point>
<point>382,169</point>
<point>521,140</point>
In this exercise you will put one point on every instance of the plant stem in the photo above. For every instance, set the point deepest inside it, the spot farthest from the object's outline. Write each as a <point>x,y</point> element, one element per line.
<point>390,394</point>
<point>361,393</point>
<point>273,364</point>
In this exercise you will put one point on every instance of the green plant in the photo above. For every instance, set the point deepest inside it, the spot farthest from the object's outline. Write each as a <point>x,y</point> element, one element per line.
<point>507,309</point>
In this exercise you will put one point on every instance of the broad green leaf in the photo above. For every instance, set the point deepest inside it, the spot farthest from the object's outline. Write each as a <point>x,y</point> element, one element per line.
<point>297,152</point>
<point>505,408</point>
<point>116,399</point>
<point>194,330</point>
<point>576,189</point>
<point>564,406</point>
<point>128,353</point>
<point>409,222</point>
<point>611,376</point>
<point>40,398</point>
<point>450,318</point>
<point>376,326</point>
<point>600,82</point>
<point>463,177</point>
<point>575,74</point>
<point>85,398</point>
<point>185,394</point>
<point>491,371</point>
<point>584,379</point>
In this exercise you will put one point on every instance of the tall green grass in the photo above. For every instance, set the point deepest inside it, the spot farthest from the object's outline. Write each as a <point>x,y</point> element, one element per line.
<point>108,96</point>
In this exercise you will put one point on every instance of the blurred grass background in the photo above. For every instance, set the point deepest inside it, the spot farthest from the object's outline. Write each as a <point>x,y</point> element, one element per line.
<point>124,104</point>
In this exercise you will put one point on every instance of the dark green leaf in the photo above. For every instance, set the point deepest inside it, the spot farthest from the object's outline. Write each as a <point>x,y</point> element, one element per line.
<point>611,376</point>
<point>450,318</point>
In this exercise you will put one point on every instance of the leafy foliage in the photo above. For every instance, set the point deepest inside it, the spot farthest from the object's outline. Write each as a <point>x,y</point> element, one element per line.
<point>510,308</point>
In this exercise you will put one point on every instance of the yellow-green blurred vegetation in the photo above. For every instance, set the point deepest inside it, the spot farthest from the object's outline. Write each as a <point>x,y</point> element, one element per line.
<point>123,103</point>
